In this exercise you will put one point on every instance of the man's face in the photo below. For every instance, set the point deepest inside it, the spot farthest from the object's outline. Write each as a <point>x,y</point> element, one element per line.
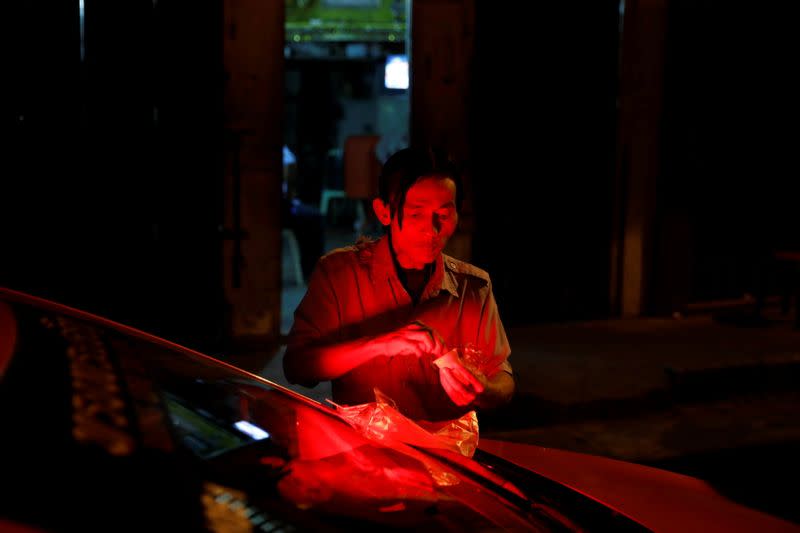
<point>429,220</point>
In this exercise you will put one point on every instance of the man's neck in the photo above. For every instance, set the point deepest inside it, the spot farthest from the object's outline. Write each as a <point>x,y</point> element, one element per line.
<point>414,280</point>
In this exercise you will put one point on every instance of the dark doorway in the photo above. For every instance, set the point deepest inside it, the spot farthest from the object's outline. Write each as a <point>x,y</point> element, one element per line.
<point>341,89</point>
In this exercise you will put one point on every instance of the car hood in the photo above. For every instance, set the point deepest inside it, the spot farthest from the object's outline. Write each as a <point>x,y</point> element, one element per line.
<point>658,499</point>
<point>96,410</point>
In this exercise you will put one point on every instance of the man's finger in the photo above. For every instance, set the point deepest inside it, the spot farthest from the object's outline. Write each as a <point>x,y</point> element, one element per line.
<point>437,344</point>
<point>468,378</point>
<point>454,388</point>
<point>423,343</point>
<point>458,376</point>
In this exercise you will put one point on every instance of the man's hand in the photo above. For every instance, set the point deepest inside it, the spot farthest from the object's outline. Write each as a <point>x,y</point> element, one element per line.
<point>330,361</point>
<point>415,339</point>
<point>466,385</point>
<point>461,384</point>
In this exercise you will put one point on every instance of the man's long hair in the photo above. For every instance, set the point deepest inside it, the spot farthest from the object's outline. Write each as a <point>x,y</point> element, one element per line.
<point>406,167</point>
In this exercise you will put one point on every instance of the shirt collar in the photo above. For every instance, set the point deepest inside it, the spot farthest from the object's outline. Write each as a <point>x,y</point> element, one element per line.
<point>442,278</point>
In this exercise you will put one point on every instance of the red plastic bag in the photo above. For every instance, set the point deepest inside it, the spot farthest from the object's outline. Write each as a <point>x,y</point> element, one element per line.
<point>381,421</point>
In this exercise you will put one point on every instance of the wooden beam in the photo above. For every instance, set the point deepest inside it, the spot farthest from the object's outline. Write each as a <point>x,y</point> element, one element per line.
<point>253,58</point>
<point>638,160</point>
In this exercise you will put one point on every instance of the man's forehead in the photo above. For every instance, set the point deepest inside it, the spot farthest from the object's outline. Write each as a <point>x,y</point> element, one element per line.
<point>431,189</point>
<point>436,193</point>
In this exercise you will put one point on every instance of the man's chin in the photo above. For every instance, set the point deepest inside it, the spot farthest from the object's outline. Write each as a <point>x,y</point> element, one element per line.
<point>428,256</point>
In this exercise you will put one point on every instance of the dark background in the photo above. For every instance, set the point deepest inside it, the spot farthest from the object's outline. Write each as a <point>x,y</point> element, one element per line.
<point>112,161</point>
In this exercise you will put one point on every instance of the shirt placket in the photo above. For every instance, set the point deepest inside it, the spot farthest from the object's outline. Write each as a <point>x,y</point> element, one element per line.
<point>404,314</point>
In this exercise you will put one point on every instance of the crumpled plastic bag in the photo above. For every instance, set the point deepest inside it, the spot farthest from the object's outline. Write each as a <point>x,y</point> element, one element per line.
<point>360,480</point>
<point>472,357</point>
<point>381,421</point>
<point>476,359</point>
<point>338,470</point>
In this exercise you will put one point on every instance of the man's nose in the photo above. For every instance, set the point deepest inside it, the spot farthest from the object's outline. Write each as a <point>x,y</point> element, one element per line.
<point>435,226</point>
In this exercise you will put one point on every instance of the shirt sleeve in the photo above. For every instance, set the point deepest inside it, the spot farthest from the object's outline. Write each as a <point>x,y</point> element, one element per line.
<point>316,320</point>
<point>491,336</point>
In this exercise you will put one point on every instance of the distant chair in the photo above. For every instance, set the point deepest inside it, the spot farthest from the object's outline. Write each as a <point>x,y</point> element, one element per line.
<point>327,196</point>
<point>333,186</point>
<point>290,242</point>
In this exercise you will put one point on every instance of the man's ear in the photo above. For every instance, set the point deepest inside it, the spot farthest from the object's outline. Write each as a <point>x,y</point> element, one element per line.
<point>382,211</point>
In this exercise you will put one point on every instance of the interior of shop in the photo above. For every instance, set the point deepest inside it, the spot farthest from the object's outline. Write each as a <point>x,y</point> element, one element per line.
<point>346,109</point>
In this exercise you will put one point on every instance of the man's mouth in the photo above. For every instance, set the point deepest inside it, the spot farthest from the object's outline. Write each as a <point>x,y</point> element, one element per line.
<point>428,246</point>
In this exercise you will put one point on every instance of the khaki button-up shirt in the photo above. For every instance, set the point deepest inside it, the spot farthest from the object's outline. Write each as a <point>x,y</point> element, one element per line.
<point>355,292</point>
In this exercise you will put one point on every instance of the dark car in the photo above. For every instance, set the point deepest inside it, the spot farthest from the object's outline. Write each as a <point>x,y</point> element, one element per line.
<point>107,428</point>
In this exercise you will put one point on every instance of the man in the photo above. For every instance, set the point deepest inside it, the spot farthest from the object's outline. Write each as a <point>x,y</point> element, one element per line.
<point>377,314</point>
